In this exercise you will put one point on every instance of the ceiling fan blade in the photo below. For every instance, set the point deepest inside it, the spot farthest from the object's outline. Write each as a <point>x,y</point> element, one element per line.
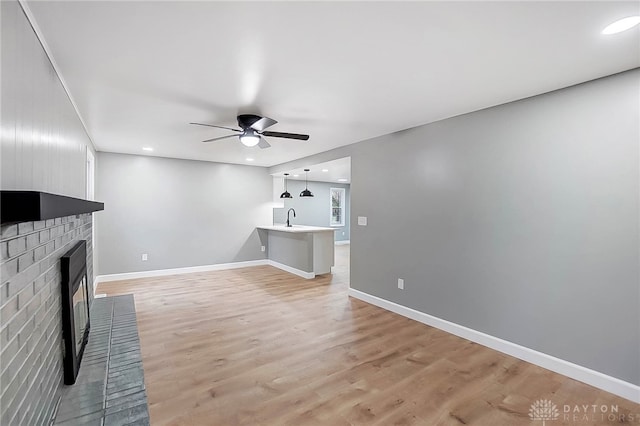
<point>263,123</point>
<point>218,127</point>
<point>286,135</point>
<point>222,137</point>
<point>263,143</point>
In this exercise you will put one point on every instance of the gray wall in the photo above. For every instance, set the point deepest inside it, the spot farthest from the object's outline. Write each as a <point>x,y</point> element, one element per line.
<point>520,221</point>
<point>42,147</point>
<point>313,211</point>
<point>43,141</point>
<point>180,212</point>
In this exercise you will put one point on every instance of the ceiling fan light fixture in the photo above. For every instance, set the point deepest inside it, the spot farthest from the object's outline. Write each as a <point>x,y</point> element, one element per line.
<point>252,131</point>
<point>306,192</point>
<point>286,193</point>
<point>250,139</point>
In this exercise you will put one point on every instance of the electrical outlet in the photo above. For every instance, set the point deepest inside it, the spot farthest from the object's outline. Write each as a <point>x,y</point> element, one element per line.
<point>144,257</point>
<point>400,283</point>
<point>262,248</point>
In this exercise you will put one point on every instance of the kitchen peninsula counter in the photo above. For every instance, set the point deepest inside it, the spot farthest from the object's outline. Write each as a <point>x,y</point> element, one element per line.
<point>303,250</point>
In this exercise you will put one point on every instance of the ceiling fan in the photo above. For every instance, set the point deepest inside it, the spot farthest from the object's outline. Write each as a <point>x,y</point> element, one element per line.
<point>252,131</point>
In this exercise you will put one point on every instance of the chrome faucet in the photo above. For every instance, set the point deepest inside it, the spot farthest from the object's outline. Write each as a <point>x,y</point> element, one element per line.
<point>294,215</point>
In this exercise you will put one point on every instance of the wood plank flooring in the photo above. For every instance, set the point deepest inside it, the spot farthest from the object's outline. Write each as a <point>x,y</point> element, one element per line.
<point>259,346</point>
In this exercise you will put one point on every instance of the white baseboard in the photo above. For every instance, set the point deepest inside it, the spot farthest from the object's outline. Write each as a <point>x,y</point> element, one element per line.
<point>591,377</point>
<point>175,271</point>
<point>343,243</point>
<point>204,268</point>
<point>298,272</point>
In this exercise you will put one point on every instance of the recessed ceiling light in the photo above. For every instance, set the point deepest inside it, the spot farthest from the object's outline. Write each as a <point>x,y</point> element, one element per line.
<point>249,159</point>
<point>325,170</point>
<point>296,175</point>
<point>342,180</point>
<point>622,25</point>
<point>147,148</point>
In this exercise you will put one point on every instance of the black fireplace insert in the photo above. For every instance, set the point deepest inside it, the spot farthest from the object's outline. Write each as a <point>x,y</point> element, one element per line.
<point>75,309</point>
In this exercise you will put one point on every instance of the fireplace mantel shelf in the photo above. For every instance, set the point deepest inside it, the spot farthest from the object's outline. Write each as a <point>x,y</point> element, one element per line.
<point>27,206</point>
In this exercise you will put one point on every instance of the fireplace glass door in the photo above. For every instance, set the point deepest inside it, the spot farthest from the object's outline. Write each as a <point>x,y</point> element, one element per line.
<point>75,309</point>
<point>80,312</point>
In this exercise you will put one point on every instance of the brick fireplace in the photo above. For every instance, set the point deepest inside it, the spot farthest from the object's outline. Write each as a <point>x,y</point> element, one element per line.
<point>31,313</point>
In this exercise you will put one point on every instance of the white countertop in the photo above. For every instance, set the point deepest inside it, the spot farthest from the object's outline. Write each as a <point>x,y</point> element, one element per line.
<point>296,228</point>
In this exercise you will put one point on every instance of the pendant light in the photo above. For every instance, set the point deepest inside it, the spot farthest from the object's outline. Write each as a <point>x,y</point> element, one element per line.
<point>306,192</point>
<point>285,194</point>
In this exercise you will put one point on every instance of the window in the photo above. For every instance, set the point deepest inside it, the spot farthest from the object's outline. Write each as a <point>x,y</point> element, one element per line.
<point>337,206</point>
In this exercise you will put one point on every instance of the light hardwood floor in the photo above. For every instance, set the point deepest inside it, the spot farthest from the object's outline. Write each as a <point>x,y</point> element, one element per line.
<point>259,346</point>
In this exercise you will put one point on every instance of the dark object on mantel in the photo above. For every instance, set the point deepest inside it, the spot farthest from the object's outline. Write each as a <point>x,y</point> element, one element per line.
<point>28,206</point>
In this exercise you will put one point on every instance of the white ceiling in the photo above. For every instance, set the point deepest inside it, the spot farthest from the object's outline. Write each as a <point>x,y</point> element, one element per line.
<point>339,71</point>
<point>338,171</point>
